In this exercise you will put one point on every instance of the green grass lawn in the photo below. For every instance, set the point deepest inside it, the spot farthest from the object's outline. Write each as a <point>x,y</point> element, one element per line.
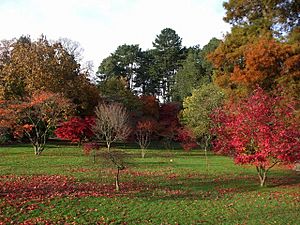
<point>63,186</point>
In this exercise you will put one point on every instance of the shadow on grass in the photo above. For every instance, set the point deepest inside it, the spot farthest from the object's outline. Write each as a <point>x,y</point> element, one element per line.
<point>279,181</point>
<point>213,188</point>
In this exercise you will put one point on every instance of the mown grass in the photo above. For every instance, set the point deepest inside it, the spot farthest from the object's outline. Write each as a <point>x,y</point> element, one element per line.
<point>174,187</point>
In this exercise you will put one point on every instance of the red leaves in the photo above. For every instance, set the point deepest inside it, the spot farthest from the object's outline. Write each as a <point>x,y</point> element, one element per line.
<point>146,125</point>
<point>27,193</point>
<point>259,130</point>
<point>168,120</point>
<point>35,117</point>
<point>150,107</point>
<point>28,127</point>
<point>143,132</point>
<point>186,138</point>
<point>76,129</point>
<point>17,191</point>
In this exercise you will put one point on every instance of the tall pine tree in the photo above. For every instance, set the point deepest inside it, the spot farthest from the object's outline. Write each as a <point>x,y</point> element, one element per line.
<point>167,53</point>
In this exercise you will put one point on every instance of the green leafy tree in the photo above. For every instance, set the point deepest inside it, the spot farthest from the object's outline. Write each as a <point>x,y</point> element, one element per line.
<point>276,15</point>
<point>147,80</point>
<point>196,70</point>
<point>197,110</point>
<point>189,76</point>
<point>206,64</point>
<point>114,90</point>
<point>122,63</point>
<point>107,68</point>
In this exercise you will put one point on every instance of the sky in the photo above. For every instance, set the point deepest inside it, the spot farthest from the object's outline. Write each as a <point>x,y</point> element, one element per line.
<point>100,26</point>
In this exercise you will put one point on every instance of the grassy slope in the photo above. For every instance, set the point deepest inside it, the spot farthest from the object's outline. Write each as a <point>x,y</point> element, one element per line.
<point>176,187</point>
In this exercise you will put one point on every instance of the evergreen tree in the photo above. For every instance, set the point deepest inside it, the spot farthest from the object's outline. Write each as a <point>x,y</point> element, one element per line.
<point>167,53</point>
<point>122,63</point>
<point>196,70</point>
<point>189,76</point>
<point>147,80</point>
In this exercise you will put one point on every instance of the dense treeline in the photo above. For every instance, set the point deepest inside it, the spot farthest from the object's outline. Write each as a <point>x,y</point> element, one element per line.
<point>169,71</point>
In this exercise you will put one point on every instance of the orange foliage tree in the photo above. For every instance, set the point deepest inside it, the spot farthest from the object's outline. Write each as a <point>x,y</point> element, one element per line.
<point>261,48</point>
<point>29,66</point>
<point>265,62</point>
<point>35,117</point>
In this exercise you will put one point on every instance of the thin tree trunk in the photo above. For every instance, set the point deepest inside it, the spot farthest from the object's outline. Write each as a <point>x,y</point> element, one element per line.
<point>263,179</point>
<point>205,151</point>
<point>262,174</point>
<point>94,156</point>
<point>143,153</point>
<point>38,148</point>
<point>35,148</point>
<point>117,180</point>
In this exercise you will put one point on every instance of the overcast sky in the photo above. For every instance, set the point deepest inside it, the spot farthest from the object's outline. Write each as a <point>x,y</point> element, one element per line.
<point>100,26</point>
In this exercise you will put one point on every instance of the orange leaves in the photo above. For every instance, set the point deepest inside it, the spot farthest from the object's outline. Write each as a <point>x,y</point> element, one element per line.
<point>28,127</point>
<point>42,111</point>
<point>150,106</point>
<point>40,97</point>
<point>8,111</point>
<point>262,60</point>
<point>35,66</point>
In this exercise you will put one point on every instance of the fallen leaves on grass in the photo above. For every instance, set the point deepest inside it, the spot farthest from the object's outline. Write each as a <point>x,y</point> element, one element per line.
<point>17,190</point>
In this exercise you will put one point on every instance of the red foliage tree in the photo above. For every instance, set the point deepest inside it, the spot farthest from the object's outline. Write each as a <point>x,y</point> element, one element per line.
<point>76,129</point>
<point>168,122</point>
<point>260,130</point>
<point>186,138</point>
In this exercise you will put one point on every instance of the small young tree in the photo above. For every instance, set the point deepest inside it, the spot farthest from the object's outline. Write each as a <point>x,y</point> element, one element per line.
<point>197,110</point>
<point>116,158</point>
<point>260,130</point>
<point>113,158</point>
<point>111,123</point>
<point>143,132</point>
<point>186,138</point>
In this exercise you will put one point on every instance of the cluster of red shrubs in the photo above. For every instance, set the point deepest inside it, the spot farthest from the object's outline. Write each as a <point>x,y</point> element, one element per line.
<point>160,122</point>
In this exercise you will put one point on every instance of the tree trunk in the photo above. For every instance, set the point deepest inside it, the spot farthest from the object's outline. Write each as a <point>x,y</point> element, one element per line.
<point>263,179</point>
<point>262,174</point>
<point>94,156</point>
<point>205,151</point>
<point>108,146</point>
<point>143,153</point>
<point>35,148</point>
<point>117,180</point>
<point>38,148</point>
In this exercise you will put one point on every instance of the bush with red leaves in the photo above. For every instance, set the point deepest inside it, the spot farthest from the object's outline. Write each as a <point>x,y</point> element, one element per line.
<point>186,138</point>
<point>76,129</point>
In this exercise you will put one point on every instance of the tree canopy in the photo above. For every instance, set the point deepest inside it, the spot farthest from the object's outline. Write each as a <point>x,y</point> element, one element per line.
<point>28,66</point>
